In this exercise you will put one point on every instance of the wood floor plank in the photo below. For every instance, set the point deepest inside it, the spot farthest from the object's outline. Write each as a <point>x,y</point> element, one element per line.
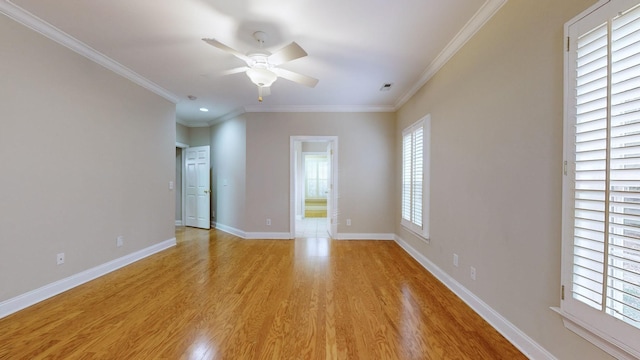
<point>215,296</point>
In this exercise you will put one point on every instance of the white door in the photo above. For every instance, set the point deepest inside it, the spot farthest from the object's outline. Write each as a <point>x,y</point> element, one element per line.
<point>198,187</point>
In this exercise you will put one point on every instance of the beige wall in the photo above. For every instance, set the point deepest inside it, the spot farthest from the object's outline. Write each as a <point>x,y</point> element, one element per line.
<point>365,168</point>
<point>182,134</point>
<point>199,136</point>
<point>86,156</point>
<point>496,112</point>
<point>228,172</point>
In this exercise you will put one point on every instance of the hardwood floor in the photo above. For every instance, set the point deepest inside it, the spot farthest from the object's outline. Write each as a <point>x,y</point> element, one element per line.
<point>215,296</point>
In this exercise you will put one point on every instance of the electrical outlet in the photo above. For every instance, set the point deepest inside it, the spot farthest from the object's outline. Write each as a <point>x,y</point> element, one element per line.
<point>348,222</point>
<point>119,241</point>
<point>268,222</point>
<point>60,259</point>
<point>455,260</point>
<point>473,273</point>
<point>170,185</point>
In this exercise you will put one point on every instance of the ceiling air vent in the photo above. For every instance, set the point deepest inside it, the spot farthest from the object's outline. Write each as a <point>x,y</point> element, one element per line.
<point>386,87</point>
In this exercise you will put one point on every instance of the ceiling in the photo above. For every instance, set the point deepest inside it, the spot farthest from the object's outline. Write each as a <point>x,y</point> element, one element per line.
<point>354,47</point>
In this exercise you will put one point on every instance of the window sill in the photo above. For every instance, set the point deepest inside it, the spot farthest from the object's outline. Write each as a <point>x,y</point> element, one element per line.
<point>608,344</point>
<point>423,237</point>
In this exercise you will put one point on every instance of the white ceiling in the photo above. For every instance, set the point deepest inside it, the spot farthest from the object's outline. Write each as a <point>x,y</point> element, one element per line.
<point>354,47</point>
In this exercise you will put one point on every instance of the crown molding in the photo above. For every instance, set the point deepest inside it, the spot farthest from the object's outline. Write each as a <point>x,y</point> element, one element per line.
<point>318,108</point>
<point>228,116</point>
<point>286,109</point>
<point>196,124</point>
<point>33,22</point>
<point>478,20</point>
<point>181,121</point>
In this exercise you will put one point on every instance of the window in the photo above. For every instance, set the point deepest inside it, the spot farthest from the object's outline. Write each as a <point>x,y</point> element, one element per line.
<point>317,176</point>
<point>415,177</point>
<point>601,186</point>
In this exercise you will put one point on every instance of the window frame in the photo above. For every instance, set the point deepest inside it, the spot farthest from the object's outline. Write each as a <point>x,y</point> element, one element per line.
<point>420,231</point>
<point>608,333</point>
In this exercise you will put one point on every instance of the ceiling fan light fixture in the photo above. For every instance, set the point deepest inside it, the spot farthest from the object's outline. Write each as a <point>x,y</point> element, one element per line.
<point>262,77</point>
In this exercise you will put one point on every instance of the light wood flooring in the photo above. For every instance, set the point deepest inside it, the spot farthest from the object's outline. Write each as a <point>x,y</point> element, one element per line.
<point>215,296</point>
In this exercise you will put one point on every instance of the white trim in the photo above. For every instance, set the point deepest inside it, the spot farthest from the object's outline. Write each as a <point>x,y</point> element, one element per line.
<point>292,179</point>
<point>182,122</point>
<point>229,229</point>
<point>183,177</point>
<point>596,326</point>
<point>517,337</point>
<point>27,299</point>
<point>478,20</point>
<point>197,124</point>
<point>365,236</point>
<point>268,235</point>
<point>608,344</point>
<point>410,225</point>
<point>228,116</point>
<point>35,23</point>
<point>178,222</point>
<point>320,109</point>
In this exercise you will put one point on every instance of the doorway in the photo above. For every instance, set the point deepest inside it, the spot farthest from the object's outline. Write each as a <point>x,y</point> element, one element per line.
<point>313,185</point>
<point>179,183</point>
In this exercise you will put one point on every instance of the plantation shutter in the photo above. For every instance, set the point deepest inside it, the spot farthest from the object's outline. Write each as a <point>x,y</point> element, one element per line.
<point>416,193</point>
<point>407,175</point>
<point>413,176</point>
<point>605,213</point>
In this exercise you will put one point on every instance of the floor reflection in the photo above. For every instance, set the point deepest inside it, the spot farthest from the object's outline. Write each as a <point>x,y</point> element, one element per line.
<point>312,247</point>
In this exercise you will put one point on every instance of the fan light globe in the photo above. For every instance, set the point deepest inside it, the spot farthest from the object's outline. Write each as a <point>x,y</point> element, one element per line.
<point>262,77</point>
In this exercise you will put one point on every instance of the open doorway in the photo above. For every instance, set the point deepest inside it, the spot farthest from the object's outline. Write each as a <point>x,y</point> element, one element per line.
<point>313,186</point>
<point>179,183</point>
<point>315,181</point>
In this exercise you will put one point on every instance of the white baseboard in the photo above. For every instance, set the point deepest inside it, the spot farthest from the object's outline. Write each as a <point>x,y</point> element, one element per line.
<point>251,235</point>
<point>178,222</point>
<point>268,235</point>
<point>355,236</point>
<point>229,229</point>
<point>519,339</point>
<point>25,300</point>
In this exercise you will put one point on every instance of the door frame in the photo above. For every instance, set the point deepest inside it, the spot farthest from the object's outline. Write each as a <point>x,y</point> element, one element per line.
<point>182,185</point>
<point>333,198</point>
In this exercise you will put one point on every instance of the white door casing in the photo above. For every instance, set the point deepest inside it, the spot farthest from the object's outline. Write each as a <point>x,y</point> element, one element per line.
<point>198,187</point>
<point>332,198</point>
<point>332,216</point>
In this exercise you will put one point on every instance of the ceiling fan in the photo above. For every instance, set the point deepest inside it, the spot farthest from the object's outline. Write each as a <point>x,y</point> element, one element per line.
<point>262,66</point>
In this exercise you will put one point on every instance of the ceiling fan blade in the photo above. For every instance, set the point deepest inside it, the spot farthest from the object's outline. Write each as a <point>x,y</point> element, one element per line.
<point>221,46</point>
<point>290,52</point>
<point>295,77</point>
<point>234,70</point>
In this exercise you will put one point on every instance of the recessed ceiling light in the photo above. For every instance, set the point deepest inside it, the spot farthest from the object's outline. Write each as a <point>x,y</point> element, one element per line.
<point>204,109</point>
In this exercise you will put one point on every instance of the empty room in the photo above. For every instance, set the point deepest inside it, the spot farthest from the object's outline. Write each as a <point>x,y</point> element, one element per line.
<point>284,179</point>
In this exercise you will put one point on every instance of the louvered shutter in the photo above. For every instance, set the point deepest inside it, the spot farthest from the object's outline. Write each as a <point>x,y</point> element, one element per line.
<point>604,174</point>
<point>414,175</point>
